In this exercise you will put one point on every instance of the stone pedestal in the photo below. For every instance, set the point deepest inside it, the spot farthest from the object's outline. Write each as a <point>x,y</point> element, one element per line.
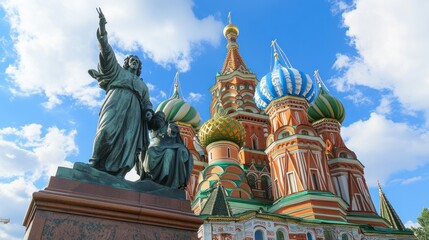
<point>71,209</point>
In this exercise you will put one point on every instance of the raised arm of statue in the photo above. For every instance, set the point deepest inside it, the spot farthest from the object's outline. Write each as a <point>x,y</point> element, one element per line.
<point>108,66</point>
<point>102,23</point>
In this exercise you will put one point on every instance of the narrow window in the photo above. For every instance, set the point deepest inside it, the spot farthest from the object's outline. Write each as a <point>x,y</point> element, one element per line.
<point>254,142</point>
<point>229,153</point>
<point>259,235</point>
<point>360,201</point>
<point>280,235</point>
<point>292,182</point>
<point>315,182</point>
<point>276,186</point>
<point>252,181</point>
<point>266,186</point>
<point>309,236</point>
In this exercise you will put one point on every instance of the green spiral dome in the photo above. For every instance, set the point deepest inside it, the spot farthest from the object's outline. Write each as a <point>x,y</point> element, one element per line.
<point>221,127</point>
<point>177,110</point>
<point>326,106</point>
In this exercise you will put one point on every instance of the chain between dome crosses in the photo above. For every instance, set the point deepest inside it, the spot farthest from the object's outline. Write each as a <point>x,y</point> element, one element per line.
<point>319,80</point>
<point>275,45</point>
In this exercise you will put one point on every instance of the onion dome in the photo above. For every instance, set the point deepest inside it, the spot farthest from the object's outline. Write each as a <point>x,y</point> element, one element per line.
<point>177,110</point>
<point>283,81</point>
<point>326,106</point>
<point>230,28</point>
<point>221,127</point>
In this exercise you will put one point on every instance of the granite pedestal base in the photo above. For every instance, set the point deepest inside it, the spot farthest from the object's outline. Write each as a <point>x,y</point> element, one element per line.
<point>71,209</point>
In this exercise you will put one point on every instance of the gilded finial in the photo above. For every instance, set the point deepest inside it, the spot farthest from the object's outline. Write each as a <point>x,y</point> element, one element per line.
<point>273,45</point>
<point>176,81</point>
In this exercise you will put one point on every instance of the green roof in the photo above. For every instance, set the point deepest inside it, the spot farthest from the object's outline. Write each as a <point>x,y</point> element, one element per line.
<point>216,204</point>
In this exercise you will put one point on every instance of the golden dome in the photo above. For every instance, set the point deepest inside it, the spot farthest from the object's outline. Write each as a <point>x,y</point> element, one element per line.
<point>221,127</point>
<point>230,28</point>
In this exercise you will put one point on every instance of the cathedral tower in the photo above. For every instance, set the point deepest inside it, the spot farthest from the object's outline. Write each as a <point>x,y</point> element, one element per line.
<point>234,90</point>
<point>326,114</point>
<point>298,164</point>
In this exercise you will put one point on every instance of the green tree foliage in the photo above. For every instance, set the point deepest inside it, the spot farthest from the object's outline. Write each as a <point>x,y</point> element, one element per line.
<point>422,232</point>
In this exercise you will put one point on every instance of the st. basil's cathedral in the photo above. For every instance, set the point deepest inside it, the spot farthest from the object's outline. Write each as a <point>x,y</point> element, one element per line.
<point>270,163</point>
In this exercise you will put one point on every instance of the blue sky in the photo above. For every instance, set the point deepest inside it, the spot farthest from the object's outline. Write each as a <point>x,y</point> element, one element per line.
<point>372,55</point>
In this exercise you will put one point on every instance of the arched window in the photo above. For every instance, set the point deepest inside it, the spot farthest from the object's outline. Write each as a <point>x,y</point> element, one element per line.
<point>266,185</point>
<point>344,237</point>
<point>186,142</point>
<point>343,155</point>
<point>254,141</point>
<point>259,235</point>
<point>252,181</point>
<point>280,235</point>
<point>309,236</point>
<point>304,132</point>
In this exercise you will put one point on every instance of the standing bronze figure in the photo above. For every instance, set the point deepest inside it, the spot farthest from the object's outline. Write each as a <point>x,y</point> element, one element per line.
<point>122,132</point>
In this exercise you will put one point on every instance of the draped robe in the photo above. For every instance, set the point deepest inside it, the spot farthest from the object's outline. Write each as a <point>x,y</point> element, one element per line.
<point>168,162</point>
<point>122,133</point>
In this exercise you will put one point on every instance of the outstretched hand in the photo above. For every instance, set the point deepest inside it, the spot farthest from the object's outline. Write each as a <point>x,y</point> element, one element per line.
<point>102,23</point>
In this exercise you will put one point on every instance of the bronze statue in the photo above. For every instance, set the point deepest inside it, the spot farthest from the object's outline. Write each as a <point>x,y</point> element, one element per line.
<point>168,162</point>
<point>122,132</point>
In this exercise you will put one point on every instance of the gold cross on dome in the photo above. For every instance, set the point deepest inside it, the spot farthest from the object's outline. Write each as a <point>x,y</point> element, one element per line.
<point>273,43</point>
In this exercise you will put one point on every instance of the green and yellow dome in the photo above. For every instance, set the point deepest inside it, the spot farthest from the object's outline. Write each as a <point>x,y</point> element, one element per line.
<point>221,127</point>
<point>326,106</point>
<point>177,110</point>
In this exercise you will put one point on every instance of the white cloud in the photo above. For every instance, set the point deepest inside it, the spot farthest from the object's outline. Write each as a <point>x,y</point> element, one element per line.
<point>385,106</point>
<point>27,147</point>
<point>194,97</point>
<point>55,41</point>
<point>358,97</point>
<point>28,154</point>
<point>15,196</point>
<point>386,147</point>
<point>391,38</point>
<point>410,224</point>
<point>408,180</point>
<point>411,180</point>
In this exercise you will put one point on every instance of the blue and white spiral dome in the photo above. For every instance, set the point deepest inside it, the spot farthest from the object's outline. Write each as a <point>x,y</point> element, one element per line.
<point>281,82</point>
